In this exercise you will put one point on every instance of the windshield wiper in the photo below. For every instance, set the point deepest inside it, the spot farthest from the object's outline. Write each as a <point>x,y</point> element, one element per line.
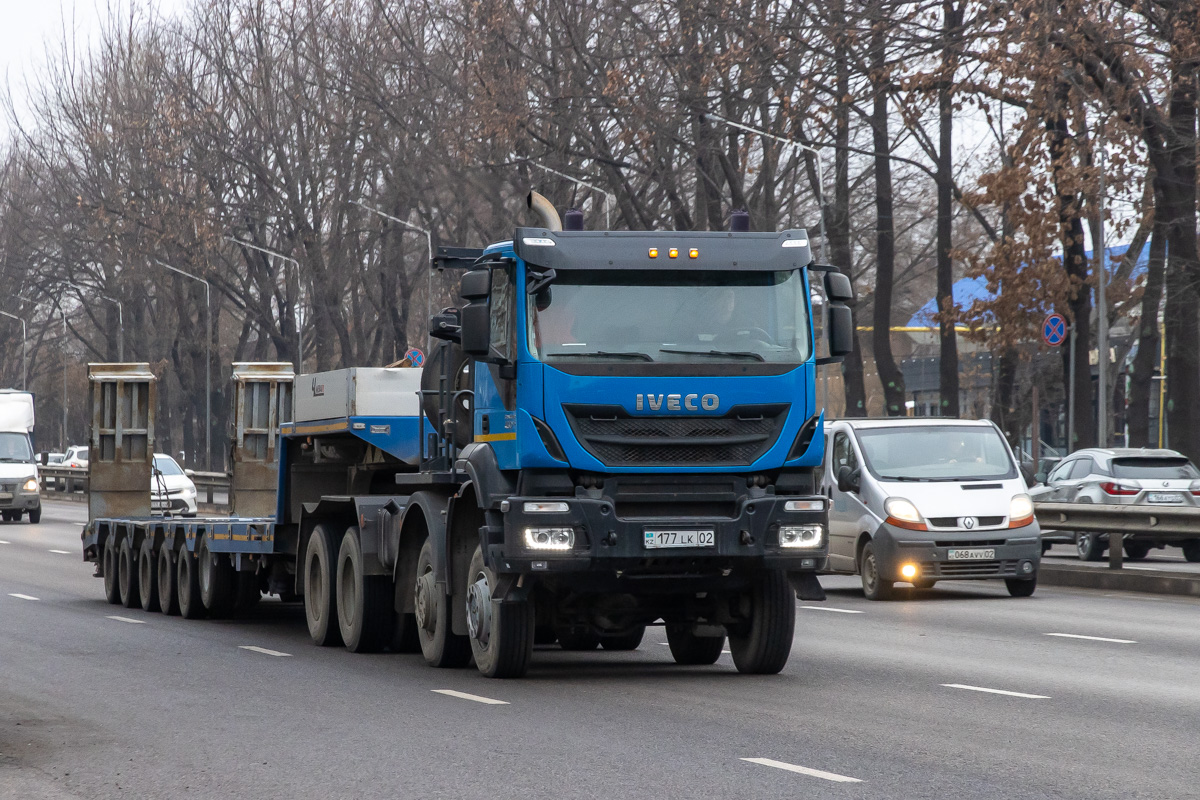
<point>605,353</point>
<point>734,353</point>
<point>905,478</point>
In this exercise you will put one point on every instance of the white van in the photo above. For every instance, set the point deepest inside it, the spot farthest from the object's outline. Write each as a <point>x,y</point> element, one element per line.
<point>918,500</point>
<point>20,486</point>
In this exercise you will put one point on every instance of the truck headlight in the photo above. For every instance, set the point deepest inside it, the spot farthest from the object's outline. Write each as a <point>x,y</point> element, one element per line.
<point>802,536</point>
<point>31,485</point>
<point>549,538</point>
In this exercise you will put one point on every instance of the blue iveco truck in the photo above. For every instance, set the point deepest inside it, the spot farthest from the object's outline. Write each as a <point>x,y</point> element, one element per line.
<point>614,429</point>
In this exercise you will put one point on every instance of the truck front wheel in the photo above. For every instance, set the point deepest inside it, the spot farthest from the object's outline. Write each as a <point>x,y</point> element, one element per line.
<point>364,603</point>
<point>501,634</point>
<point>440,646</point>
<point>762,645</point>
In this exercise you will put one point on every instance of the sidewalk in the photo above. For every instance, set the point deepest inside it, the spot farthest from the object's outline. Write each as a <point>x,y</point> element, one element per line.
<point>1162,572</point>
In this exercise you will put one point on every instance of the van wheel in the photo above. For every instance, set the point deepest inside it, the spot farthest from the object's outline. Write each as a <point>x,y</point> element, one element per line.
<point>35,515</point>
<point>875,587</point>
<point>689,649</point>
<point>923,583</point>
<point>1021,587</point>
<point>439,644</point>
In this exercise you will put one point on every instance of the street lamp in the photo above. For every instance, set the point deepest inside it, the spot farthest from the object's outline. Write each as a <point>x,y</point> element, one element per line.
<point>428,243</point>
<point>207,361</point>
<point>299,304</point>
<point>705,115</point>
<point>120,318</point>
<point>24,350</point>
<point>609,197</point>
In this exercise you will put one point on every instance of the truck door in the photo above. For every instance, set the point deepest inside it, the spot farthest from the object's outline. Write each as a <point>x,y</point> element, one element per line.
<point>845,508</point>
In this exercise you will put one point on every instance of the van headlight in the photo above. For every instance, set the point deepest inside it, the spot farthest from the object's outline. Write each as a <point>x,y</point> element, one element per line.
<point>31,485</point>
<point>1020,511</point>
<point>903,514</point>
<point>801,536</point>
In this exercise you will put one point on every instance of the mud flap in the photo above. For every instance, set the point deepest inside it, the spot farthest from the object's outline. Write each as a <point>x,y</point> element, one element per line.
<point>806,585</point>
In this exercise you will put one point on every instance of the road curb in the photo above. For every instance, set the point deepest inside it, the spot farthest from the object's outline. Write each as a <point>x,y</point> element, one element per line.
<point>1125,580</point>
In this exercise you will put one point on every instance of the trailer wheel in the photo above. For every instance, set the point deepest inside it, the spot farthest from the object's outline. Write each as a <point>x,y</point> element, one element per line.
<point>218,582</point>
<point>187,584</point>
<point>364,602</point>
<point>624,641</point>
<point>126,576</point>
<point>147,586</point>
<point>320,590</point>
<point>168,594</point>
<point>762,645</point>
<point>108,560</point>
<point>501,633</point>
<point>440,645</point>
<point>689,649</point>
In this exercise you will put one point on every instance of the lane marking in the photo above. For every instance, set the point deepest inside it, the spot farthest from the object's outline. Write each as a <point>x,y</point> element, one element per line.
<point>830,608</point>
<point>1093,638</point>
<point>4,542</point>
<point>264,651</point>
<point>21,596</point>
<point>995,691</point>
<point>812,773</point>
<point>62,552</point>
<point>464,696</point>
<point>127,619</point>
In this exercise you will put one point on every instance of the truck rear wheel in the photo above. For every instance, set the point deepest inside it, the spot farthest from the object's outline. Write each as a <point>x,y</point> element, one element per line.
<point>762,645</point>
<point>689,649</point>
<point>364,602</point>
<point>147,586</point>
<point>440,646</point>
<point>126,574</point>
<point>320,588</point>
<point>218,582</point>
<point>168,597</point>
<point>501,634</point>
<point>187,584</point>
<point>623,641</point>
<point>108,560</point>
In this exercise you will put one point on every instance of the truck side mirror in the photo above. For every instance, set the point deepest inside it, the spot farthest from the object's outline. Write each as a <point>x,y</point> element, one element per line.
<point>838,287</point>
<point>848,479</point>
<point>476,323</point>
<point>841,330</point>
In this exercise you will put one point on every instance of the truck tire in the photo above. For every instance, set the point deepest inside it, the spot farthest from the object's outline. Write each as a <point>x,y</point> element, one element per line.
<point>689,649</point>
<point>320,588</point>
<point>364,602</point>
<point>460,379</point>
<point>127,583</point>
<point>762,646</point>
<point>577,640</point>
<point>168,594</point>
<point>1191,550</point>
<point>875,587</point>
<point>439,644</point>
<point>623,641</point>
<point>187,586</point>
<point>1089,546</point>
<point>218,582</point>
<point>108,560</point>
<point>1021,587</point>
<point>147,585</point>
<point>249,593</point>
<point>501,634</point>
<point>404,634</point>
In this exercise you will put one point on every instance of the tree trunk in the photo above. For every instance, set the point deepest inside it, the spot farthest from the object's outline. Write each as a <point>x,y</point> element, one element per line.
<point>890,375</point>
<point>948,386</point>
<point>1142,387</point>
<point>839,225</point>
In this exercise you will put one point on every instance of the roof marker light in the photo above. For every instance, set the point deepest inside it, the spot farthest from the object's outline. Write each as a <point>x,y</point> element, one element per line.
<point>654,252</point>
<point>693,253</point>
<point>795,242</point>
<point>673,253</point>
<point>538,241</point>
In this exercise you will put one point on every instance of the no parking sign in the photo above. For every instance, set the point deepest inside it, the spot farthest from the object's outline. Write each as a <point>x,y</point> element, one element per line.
<point>1054,329</point>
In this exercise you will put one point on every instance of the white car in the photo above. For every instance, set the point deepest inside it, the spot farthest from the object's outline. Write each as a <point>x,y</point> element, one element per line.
<point>77,456</point>
<point>171,490</point>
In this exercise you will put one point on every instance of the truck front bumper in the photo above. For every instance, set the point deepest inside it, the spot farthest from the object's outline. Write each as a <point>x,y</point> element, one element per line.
<point>602,541</point>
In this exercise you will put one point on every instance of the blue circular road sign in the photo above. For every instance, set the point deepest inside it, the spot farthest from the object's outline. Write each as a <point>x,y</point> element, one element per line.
<point>1054,330</point>
<point>415,356</point>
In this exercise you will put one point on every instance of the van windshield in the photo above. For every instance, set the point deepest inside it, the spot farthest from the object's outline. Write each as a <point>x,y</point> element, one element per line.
<point>15,447</point>
<point>936,453</point>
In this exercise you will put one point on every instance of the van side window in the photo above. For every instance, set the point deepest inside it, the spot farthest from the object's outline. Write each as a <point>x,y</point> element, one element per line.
<point>843,455</point>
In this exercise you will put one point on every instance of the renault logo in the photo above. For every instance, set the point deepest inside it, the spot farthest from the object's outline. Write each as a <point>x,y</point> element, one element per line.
<point>968,522</point>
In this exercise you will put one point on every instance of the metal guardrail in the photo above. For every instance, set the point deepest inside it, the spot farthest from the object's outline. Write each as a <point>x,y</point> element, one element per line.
<point>75,479</point>
<point>208,484</point>
<point>1142,521</point>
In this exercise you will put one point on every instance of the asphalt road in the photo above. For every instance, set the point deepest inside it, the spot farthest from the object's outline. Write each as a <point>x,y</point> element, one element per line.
<point>889,695</point>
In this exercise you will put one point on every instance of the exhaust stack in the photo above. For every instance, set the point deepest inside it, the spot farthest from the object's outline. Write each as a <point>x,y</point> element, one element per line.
<point>545,211</point>
<point>739,221</point>
<point>573,220</point>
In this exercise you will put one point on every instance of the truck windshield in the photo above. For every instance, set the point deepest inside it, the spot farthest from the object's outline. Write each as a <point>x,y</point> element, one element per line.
<point>671,316</point>
<point>936,453</point>
<point>15,447</point>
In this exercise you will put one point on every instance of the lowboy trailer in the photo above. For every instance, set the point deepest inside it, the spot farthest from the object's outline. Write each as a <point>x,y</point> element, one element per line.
<point>615,429</point>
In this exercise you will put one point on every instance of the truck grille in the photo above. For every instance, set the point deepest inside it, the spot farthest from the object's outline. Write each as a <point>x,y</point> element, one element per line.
<point>619,439</point>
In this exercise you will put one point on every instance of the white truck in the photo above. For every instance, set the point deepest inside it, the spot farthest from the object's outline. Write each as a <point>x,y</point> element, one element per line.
<point>20,487</point>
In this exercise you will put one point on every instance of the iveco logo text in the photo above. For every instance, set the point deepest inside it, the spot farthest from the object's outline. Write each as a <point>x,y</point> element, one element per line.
<point>678,402</point>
